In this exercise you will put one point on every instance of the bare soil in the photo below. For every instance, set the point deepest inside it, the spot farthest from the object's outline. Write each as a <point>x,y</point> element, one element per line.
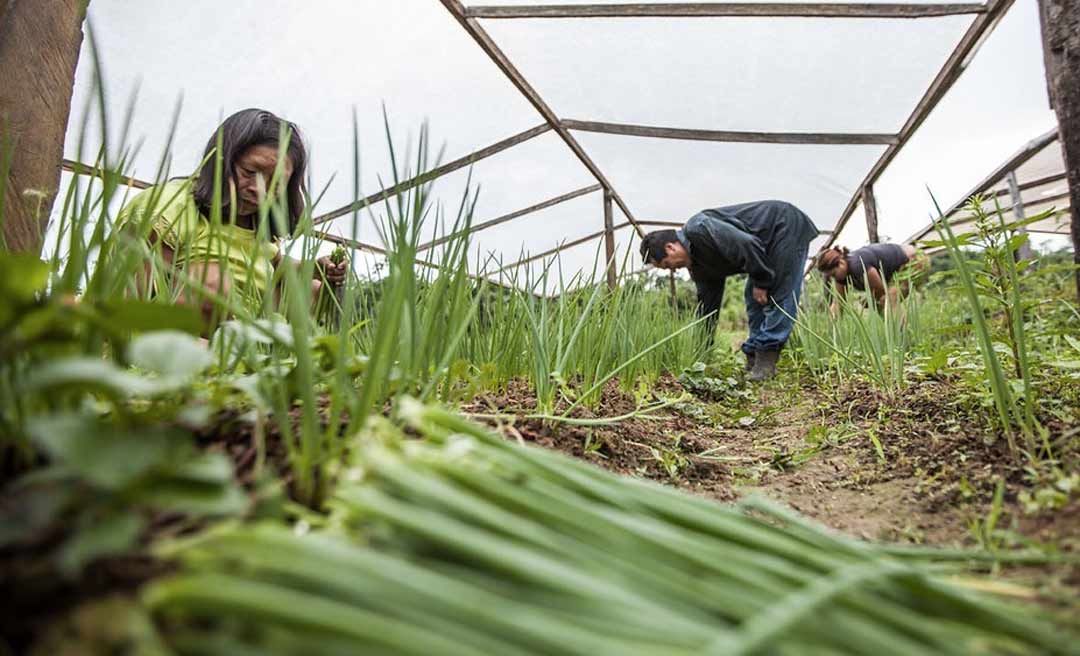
<point>933,478</point>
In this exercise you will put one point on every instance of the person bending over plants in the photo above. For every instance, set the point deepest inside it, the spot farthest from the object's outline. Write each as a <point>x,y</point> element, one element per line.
<point>229,252</point>
<point>872,267</point>
<point>768,240</point>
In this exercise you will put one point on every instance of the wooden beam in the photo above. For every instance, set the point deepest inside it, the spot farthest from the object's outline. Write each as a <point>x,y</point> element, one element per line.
<point>434,173</point>
<point>551,202</point>
<point>1060,21</point>
<point>78,168</point>
<point>922,234</point>
<point>1038,182</point>
<point>726,9</point>
<point>1026,152</point>
<point>671,224</point>
<point>954,66</point>
<point>870,209</point>
<point>730,136</point>
<point>561,247</point>
<point>609,241</point>
<point>372,248</point>
<point>1031,184</point>
<point>488,45</point>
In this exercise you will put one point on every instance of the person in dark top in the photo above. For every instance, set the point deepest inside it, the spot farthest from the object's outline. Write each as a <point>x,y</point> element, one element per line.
<point>872,266</point>
<point>767,240</point>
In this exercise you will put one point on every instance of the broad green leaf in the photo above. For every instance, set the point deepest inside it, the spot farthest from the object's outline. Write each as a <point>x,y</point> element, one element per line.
<point>111,535</point>
<point>170,353</point>
<point>135,316</point>
<point>45,323</point>
<point>211,468</point>
<point>95,374</point>
<point>21,276</point>
<point>28,509</point>
<point>106,456</point>
<point>189,496</point>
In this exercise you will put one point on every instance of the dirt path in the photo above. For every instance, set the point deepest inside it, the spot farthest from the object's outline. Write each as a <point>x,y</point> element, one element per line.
<point>912,471</point>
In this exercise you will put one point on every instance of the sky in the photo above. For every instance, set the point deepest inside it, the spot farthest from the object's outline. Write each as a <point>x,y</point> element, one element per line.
<point>322,62</point>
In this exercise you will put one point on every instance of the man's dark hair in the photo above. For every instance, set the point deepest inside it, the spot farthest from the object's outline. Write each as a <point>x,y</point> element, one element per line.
<point>242,130</point>
<point>652,245</point>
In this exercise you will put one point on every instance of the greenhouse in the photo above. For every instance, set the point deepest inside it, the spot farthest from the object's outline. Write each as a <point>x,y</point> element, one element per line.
<point>430,327</point>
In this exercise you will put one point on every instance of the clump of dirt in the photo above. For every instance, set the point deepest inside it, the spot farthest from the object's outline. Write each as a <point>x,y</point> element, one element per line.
<point>667,446</point>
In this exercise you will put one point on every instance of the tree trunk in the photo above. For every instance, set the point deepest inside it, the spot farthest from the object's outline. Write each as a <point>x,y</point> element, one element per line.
<point>39,48</point>
<point>1061,49</point>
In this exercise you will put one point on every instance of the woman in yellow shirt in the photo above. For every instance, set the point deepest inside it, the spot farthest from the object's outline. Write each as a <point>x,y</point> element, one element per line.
<point>236,255</point>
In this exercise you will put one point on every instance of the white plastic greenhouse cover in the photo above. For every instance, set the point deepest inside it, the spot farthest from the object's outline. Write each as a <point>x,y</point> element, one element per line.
<point>318,62</point>
<point>1040,186</point>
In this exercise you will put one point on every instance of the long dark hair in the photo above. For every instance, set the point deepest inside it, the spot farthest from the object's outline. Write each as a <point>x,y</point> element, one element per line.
<point>242,130</point>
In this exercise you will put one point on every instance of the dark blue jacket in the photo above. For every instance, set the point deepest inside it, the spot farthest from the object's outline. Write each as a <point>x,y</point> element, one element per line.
<point>755,238</point>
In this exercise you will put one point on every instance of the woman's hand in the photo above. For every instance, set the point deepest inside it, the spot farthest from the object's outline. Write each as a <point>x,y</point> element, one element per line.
<point>761,296</point>
<point>335,273</point>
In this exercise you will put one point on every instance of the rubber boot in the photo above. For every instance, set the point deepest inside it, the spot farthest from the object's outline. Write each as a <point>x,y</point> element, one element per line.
<point>764,366</point>
<point>749,361</point>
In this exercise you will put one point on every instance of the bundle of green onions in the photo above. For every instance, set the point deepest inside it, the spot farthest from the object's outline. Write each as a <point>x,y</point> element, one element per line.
<point>464,544</point>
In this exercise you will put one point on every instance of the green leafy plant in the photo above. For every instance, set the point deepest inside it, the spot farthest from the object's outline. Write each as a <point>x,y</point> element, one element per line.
<point>997,284</point>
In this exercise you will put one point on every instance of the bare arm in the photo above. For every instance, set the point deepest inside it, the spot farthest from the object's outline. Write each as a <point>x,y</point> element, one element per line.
<point>208,274</point>
<point>841,293</point>
<point>284,260</point>
<point>877,285</point>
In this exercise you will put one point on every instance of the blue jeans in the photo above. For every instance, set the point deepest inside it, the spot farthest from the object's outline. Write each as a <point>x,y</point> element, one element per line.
<point>769,326</point>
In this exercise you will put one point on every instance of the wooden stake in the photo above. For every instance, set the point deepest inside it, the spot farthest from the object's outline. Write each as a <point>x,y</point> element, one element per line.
<point>609,240</point>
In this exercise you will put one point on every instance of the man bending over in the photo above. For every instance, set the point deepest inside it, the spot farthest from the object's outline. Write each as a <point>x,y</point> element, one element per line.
<point>767,240</point>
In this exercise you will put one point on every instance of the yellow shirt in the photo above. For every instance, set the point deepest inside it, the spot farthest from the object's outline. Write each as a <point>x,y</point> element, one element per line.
<point>170,211</point>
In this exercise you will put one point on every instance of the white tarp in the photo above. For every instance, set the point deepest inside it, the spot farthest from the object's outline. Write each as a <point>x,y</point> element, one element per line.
<point>316,63</point>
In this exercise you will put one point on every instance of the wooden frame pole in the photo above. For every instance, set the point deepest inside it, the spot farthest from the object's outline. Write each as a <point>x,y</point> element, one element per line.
<point>732,136</point>
<point>551,202</point>
<point>488,45</point>
<point>954,66</point>
<point>561,247</point>
<point>434,173</point>
<point>870,209</point>
<point>1029,150</point>
<point>1024,252</point>
<point>609,240</point>
<point>726,9</point>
